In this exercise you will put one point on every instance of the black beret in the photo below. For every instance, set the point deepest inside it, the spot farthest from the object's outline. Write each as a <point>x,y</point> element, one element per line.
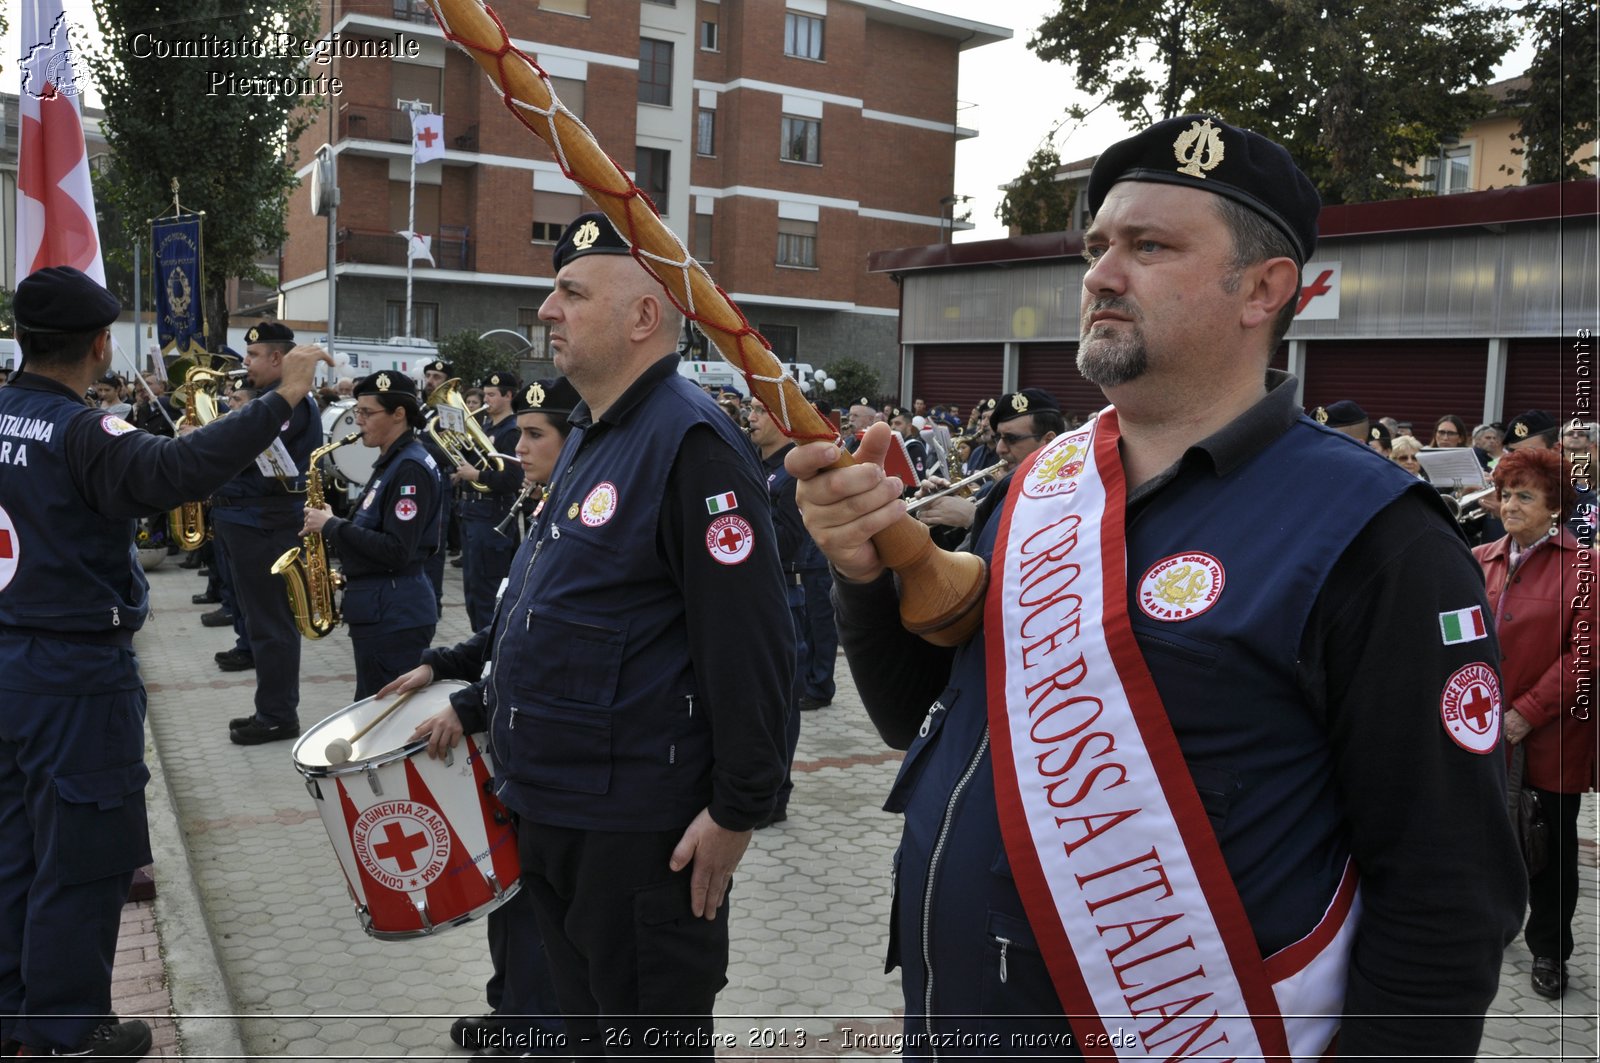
<point>589,234</point>
<point>546,396</point>
<point>62,299</point>
<point>1207,153</point>
<point>1379,433</point>
<point>891,412</point>
<point>1341,414</point>
<point>1532,423</point>
<point>439,365</point>
<point>387,382</point>
<point>269,332</point>
<point>1021,403</point>
<point>503,380</point>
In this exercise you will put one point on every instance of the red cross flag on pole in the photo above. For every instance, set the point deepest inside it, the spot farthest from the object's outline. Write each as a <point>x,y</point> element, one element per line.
<point>427,137</point>
<point>55,201</point>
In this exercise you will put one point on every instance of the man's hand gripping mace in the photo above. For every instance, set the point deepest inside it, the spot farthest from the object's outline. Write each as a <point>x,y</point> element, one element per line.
<point>941,593</point>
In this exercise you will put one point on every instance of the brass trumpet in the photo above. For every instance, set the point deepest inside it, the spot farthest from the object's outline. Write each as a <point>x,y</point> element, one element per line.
<point>197,397</point>
<point>468,446</point>
<point>962,488</point>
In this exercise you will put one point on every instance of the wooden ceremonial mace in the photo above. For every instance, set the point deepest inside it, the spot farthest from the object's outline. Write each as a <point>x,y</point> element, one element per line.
<point>941,593</point>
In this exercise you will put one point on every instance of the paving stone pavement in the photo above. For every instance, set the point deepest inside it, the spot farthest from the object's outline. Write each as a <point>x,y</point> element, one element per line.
<point>264,957</point>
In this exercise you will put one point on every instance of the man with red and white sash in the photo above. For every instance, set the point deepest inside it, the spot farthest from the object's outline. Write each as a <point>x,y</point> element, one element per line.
<point>1217,777</point>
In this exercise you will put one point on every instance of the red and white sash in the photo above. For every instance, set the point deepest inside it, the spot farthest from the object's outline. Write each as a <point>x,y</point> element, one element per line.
<point>1137,917</point>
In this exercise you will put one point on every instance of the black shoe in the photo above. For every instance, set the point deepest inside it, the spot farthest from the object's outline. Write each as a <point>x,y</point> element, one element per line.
<point>469,1030</point>
<point>127,1040</point>
<point>778,815</point>
<point>457,561</point>
<point>235,661</point>
<point>1549,977</point>
<point>217,618</point>
<point>205,599</point>
<point>255,733</point>
<point>811,704</point>
<point>238,722</point>
<point>190,562</point>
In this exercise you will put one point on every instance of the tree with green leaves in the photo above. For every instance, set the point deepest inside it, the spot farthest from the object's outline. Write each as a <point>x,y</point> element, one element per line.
<point>1357,90</point>
<point>225,128</point>
<point>473,358</point>
<point>1035,201</point>
<point>852,379</point>
<point>1558,105</point>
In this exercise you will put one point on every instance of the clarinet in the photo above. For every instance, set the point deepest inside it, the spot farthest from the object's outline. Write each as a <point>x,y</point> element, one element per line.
<point>504,526</point>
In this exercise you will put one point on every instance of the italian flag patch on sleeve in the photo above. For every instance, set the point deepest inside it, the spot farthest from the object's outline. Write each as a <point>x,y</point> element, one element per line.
<point>721,503</point>
<point>1463,625</point>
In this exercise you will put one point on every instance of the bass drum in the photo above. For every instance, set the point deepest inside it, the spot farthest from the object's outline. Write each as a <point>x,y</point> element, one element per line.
<point>352,464</point>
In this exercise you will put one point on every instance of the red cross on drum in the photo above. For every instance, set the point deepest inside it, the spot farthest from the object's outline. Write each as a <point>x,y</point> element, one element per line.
<point>1470,707</point>
<point>422,843</point>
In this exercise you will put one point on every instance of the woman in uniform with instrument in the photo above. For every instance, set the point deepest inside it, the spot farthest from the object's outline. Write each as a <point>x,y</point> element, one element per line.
<point>388,601</point>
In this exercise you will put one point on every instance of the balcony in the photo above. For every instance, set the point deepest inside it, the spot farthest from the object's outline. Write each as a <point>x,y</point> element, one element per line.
<point>359,122</point>
<point>452,248</point>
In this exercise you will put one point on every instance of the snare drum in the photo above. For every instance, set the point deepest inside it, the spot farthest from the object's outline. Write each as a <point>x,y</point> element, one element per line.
<point>423,843</point>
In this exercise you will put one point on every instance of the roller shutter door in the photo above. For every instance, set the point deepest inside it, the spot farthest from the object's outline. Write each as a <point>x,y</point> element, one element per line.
<point>1054,368</point>
<point>1410,380</point>
<point>961,374</point>
<point>1538,377</point>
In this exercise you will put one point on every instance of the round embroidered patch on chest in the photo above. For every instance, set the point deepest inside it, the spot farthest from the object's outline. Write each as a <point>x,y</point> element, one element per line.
<point>405,509</point>
<point>600,504</point>
<point>1180,587</point>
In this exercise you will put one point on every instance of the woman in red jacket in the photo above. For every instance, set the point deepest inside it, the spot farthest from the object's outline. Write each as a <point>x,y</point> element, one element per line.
<point>1540,580</point>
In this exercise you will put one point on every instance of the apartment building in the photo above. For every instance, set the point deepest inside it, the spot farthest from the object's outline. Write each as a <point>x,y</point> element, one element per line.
<point>782,140</point>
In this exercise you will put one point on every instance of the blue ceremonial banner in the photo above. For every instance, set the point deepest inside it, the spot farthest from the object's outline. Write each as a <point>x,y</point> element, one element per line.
<point>180,310</point>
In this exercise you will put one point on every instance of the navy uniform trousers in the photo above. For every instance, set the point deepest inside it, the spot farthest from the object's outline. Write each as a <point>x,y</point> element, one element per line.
<point>72,831</point>
<point>268,620</point>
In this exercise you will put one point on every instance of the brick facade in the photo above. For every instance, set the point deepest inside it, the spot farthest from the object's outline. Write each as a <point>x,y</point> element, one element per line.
<point>884,90</point>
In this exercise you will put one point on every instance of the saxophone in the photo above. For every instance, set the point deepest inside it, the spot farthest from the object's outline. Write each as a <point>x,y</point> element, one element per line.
<point>198,397</point>
<point>308,579</point>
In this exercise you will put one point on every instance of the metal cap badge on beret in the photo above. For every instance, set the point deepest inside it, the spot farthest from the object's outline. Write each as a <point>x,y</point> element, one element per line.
<point>63,299</point>
<point>269,332</point>
<point>555,397</point>
<point>1532,423</point>
<point>589,234</point>
<point>1019,403</point>
<point>1379,433</point>
<point>389,382</point>
<point>439,365</point>
<point>1340,414</point>
<point>1203,152</point>
<point>503,380</point>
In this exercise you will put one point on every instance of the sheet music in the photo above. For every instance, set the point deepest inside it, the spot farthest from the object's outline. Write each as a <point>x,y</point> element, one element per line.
<point>1452,467</point>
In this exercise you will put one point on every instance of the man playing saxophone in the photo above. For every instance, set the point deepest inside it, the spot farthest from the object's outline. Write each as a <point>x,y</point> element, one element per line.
<point>254,516</point>
<point>388,600</point>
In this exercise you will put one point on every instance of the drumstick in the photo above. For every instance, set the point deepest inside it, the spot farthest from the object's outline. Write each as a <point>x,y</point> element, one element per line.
<point>340,750</point>
<point>941,594</point>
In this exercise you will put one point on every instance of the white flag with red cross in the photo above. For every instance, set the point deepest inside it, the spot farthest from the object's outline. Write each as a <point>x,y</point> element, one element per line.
<point>55,200</point>
<point>427,137</point>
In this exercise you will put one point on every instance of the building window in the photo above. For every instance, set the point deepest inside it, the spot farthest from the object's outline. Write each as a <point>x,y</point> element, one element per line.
<point>701,241</point>
<point>566,7</point>
<point>708,36</point>
<point>705,132</point>
<point>652,164</point>
<point>552,213</point>
<point>536,332</point>
<point>570,92</point>
<point>413,81</point>
<point>424,319</point>
<point>1450,171</point>
<point>797,243</point>
<point>802,36</point>
<point>802,140</point>
<point>655,71</point>
<point>783,339</point>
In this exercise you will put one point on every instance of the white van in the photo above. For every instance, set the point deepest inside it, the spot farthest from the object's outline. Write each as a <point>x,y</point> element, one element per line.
<point>718,373</point>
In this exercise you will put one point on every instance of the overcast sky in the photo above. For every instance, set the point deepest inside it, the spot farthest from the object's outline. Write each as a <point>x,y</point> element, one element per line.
<point>1007,93</point>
